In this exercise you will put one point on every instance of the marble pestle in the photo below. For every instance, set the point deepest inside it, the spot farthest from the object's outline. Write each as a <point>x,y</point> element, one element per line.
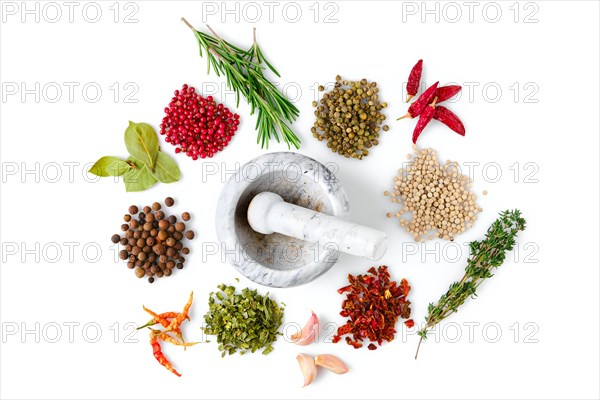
<point>269,213</point>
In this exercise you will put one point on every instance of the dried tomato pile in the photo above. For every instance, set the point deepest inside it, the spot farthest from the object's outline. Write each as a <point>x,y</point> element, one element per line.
<point>373,304</point>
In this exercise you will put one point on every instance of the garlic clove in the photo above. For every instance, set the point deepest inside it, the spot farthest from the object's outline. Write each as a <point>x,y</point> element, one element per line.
<point>308,368</point>
<point>308,334</point>
<point>332,363</point>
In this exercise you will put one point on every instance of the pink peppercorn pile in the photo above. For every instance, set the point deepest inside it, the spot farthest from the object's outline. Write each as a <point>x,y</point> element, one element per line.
<point>197,126</point>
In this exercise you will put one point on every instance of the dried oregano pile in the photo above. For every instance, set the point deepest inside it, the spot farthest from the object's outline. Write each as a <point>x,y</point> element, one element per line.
<point>245,321</point>
<point>349,117</point>
<point>436,195</point>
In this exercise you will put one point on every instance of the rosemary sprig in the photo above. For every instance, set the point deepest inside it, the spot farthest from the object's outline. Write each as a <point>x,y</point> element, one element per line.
<point>485,256</point>
<point>243,70</point>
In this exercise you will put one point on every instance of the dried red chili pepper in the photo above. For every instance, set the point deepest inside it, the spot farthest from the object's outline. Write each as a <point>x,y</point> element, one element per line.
<point>419,105</point>
<point>414,80</point>
<point>444,93</point>
<point>373,304</point>
<point>409,323</point>
<point>158,354</point>
<point>424,119</point>
<point>449,119</point>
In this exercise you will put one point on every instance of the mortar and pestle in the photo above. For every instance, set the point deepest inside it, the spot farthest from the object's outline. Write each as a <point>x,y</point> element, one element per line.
<point>280,221</point>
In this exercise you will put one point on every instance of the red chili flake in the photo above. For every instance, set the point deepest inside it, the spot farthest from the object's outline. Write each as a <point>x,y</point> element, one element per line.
<point>409,323</point>
<point>373,304</point>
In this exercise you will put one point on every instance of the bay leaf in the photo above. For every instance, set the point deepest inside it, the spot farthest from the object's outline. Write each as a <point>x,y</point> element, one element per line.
<point>166,169</point>
<point>142,143</point>
<point>109,166</point>
<point>139,178</point>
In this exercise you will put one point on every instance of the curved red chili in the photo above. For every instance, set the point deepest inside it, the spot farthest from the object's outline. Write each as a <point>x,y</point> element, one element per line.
<point>421,103</point>
<point>424,119</point>
<point>449,119</point>
<point>444,93</point>
<point>414,80</point>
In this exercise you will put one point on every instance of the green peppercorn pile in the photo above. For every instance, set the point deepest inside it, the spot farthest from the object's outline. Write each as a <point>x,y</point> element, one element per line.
<point>244,321</point>
<point>349,117</point>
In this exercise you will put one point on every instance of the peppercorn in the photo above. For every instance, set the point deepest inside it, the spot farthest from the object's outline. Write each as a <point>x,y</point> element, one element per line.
<point>169,201</point>
<point>163,224</point>
<point>179,266</point>
<point>139,272</point>
<point>437,196</point>
<point>349,118</point>
<point>190,235</point>
<point>147,209</point>
<point>156,206</point>
<point>171,229</point>
<point>123,254</point>
<point>130,265</point>
<point>178,235</point>
<point>185,250</point>
<point>162,235</point>
<point>159,215</point>
<point>126,217</point>
<point>150,217</point>
<point>142,256</point>
<point>115,238</point>
<point>148,226</point>
<point>123,241</point>
<point>180,226</point>
<point>171,242</point>
<point>185,216</point>
<point>133,210</point>
<point>133,224</point>
<point>151,280</point>
<point>124,227</point>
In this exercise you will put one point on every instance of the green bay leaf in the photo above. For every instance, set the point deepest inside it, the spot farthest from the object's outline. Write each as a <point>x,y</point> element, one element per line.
<point>166,169</point>
<point>139,178</point>
<point>142,143</point>
<point>109,166</point>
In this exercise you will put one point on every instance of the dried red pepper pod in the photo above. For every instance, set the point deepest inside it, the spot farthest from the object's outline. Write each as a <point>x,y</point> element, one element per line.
<point>444,93</point>
<point>421,103</point>
<point>414,80</point>
<point>449,119</point>
<point>424,119</point>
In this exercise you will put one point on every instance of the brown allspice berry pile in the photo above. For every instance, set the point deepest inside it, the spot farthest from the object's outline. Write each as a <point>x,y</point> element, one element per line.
<point>153,241</point>
<point>436,198</point>
<point>349,117</point>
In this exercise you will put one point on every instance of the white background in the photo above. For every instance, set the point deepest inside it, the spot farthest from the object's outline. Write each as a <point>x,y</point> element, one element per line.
<point>551,123</point>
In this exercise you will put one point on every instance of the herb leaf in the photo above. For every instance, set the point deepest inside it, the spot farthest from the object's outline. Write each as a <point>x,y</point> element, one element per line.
<point>485,256</point>
<point>139,178</point>
<point>165,168</point>
<point>142,143</point>
<point>109,166</point>
<point>242,321</point>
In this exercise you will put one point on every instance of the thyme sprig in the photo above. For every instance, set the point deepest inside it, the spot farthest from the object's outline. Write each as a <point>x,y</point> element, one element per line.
<point>244,72</point>
<point>485,256</point>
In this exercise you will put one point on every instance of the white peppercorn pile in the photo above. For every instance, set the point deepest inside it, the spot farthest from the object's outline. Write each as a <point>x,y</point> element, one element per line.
<point>437,197</point>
